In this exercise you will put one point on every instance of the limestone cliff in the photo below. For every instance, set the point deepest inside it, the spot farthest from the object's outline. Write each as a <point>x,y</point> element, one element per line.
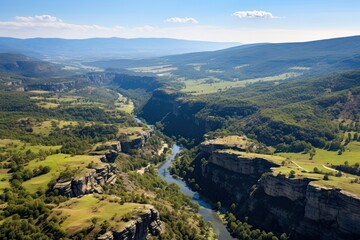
<point>135,142</point>
<point>91,182</point>
<point>110,156</point>
<point>147,223</point>
<point>280,204</point>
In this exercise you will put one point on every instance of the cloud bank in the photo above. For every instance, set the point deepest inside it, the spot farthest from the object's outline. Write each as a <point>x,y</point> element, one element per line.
<point>48,26</point>
<point>38,18</point>
<point>253,14</point>
<point>181,20</point>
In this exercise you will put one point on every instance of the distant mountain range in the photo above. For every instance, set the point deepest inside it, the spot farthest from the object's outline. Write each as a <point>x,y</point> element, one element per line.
<point>258,60</point>
<point>104,48</point>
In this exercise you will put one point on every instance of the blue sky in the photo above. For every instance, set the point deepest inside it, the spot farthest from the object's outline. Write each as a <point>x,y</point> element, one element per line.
<point>222,20</point>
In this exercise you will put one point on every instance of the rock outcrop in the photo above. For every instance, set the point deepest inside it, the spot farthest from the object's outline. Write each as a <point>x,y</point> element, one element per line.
<point>136,142</point>
<point>147,223</point>
<point>296,206</point>
<point>109,157</point>
<point>90,183</point>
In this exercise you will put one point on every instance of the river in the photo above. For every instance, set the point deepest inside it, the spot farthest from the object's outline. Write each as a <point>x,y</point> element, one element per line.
<point>206,207</point>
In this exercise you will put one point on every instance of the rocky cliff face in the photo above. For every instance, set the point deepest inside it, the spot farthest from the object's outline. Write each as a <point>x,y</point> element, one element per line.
<point>56,87</point>
<point>241,165</point>
<point>147,223</point>
<point>110,156</point>
<point>100,78</point>
<point>90,183</point>
<point>296,206</point>
<point>179,117</point>
<point>229,178</point>
<point>136,143</point>
<point>307,210</point>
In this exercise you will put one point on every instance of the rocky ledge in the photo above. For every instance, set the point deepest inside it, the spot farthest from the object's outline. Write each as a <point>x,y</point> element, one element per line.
<point>147,223</point>
<point>90,183</point>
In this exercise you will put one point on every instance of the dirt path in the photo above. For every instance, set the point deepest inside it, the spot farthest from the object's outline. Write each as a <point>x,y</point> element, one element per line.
<point>334,170</point>
<point>331,169</point>
<point>165,145</point>
<point>299,166</point>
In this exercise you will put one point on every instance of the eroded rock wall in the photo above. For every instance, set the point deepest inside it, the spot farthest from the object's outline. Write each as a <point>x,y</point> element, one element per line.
<point>136,143</point>
<point>91,182</point>
<point>147,223</point>
<point>280,204</point>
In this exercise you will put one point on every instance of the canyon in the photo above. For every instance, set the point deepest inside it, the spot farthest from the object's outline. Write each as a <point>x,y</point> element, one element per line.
<point>298,206</point>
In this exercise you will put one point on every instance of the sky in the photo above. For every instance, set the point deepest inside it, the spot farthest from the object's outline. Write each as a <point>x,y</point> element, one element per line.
<point>244,21</point>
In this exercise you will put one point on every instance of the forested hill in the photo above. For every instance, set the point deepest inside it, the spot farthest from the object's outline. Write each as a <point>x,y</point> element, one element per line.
<point>259,60</point>
<point>311,110</point>
<point>27,66</point>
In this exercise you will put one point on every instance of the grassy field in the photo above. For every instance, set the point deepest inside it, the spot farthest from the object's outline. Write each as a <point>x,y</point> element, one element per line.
<point>343,182</point>
<point>57,163</point>
<point>302,166</point>
<point>213,85</point>
<point>48,105</point>
<point>80,211</point>
<point>323,157</point>
<point>131,132</point>
<point>154,69</point>
<point>43,128</point>
<point>5,143</point>
<point>124,104</point>
<point>271,158</point>
<point>18,146</point>
<point>4,180</point>
<point>38,91</point>
<point>230,141</point>
<point>62,124</point>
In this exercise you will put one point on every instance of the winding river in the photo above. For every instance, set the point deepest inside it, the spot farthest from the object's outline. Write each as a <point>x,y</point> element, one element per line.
<point>206,207</point>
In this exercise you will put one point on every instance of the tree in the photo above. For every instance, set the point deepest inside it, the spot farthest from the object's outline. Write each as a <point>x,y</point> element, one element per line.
<point>292,174</point>
<point>105,225</point>
<point>356,136</point>
<point>326,177</point>
<point>283,236</point>
<point>232,207</point>
<point>338,174</point>
<point>218,205</point>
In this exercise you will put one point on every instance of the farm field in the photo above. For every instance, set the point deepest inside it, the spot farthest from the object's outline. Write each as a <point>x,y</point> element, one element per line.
<point>328,158</point>
<point>213,85</point>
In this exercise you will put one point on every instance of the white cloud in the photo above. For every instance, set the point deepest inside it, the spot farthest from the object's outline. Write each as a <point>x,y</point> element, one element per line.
<point>254,14</point>
<point>44,22</point>
<point>181,20</point>
<point>38,18</point>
